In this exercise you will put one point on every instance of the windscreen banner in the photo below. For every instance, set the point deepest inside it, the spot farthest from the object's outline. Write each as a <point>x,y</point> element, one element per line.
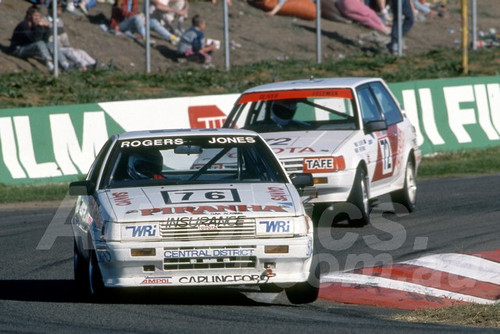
<point>59,143</point>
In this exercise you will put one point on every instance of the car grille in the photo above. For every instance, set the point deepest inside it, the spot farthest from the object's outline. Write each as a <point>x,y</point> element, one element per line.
<point>240,228</point>
<point>293,166</point>
<point>189,258</point>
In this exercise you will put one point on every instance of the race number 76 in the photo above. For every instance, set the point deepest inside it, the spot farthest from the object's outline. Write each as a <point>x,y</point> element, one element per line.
<point>198,195</point>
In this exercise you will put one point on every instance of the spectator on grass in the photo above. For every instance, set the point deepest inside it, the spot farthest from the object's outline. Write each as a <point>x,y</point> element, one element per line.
<point>126,17</point>
<point>158,11</point>
<point>229,2</point>
<point>380,7</point>
<point>30,39</point>
<point>357,11</point>
<point>429,11</point>
<point>79,58</point>
<point>408,20</point>
<point>85,5</point>
<point>170,12</point>
<point>192,43</point>
<point>276,8</point>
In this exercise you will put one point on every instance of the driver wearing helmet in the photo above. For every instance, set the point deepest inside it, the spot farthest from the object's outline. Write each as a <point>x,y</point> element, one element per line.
<point>145,165</point>
<point>282,112</point>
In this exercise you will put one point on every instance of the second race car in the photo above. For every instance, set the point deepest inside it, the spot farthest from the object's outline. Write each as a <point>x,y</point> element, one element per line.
<point>350,133</point>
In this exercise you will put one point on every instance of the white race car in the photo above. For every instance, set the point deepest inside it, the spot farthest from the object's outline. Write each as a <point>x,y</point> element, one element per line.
<point>350,133</point>
<point>192,208</point>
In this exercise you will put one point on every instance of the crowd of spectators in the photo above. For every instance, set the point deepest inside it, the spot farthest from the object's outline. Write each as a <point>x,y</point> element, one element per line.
<point>31,37</point>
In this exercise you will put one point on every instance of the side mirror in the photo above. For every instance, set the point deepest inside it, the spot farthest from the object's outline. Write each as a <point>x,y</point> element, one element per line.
<point>375,126</point>
<point>301,180</point>
<point>81,188</point>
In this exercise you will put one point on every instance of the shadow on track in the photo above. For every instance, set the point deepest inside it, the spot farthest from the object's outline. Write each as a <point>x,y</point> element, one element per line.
<point>64,291</point>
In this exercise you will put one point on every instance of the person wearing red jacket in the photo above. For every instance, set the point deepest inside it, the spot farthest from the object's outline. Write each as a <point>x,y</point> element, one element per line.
<point>125,16</point>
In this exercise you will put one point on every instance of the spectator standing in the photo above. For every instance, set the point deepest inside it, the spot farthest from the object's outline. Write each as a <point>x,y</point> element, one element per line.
<point>30,39</point>
<point>192,43</point>
<point>408,20</point>
<point>356,10</point>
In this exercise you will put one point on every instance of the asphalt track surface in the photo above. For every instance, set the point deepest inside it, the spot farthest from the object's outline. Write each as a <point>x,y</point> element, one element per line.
<point>37,292</point>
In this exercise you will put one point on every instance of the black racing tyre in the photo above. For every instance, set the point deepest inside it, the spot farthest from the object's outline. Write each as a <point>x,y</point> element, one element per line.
<point>270,287</point>
<point>360,198</point>
<point>407,196</point>
<point>318,210</point>
<point>96,286</point>
<point>80,269</point>
<point>306,292</point>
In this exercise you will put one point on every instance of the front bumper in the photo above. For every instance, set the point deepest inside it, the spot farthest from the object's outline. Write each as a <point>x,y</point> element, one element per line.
<point>228,262</point>
<point>334,187</point>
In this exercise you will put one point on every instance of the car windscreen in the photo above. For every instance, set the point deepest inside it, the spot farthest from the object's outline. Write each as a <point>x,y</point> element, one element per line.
<point>332,109</point>
<point>191,160</point>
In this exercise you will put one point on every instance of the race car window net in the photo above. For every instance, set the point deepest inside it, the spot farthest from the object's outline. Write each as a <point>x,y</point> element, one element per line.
<point>223,159</point>
<point>313,110</point>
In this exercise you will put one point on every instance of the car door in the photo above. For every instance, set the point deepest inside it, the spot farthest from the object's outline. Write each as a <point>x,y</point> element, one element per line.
<point>372,101</point>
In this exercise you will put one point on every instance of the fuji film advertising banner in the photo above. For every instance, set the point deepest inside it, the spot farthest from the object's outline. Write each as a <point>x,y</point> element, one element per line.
<point>59,143</point>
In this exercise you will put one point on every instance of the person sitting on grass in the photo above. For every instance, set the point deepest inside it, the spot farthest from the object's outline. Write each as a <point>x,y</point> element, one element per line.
<point>30,39</point>
<point>192,43</point>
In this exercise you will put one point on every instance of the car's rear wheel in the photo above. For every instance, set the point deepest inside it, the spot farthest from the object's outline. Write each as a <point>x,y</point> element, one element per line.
<point>407,196</point>
<point>360,198</point>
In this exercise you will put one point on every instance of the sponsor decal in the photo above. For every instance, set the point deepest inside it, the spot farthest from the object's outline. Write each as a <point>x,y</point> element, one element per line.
<point>203,223</point>
<point>277,194</point>
<point>204,117</point>
<point>103,256</point>
<point>319,165</point>
<point>212,209</point>
<point>194,253</point>
<point>274,226</point>
<point>121,198</point>
<point>345,93</point>
<point>231,140</point>
<point>157,280</point>
<point>151,142</point>
<point>278,141</point>
<point>200,196</point>
<point>295,150</point>
<point>219,279</point>
<point>141,231</point>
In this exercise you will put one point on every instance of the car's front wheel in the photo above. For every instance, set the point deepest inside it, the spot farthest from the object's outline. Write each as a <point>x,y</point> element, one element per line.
<point>305,292</point>
<point>80,268</point>
<point>360,198</point>
<point>96,286</point>
<point>407,196</point>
